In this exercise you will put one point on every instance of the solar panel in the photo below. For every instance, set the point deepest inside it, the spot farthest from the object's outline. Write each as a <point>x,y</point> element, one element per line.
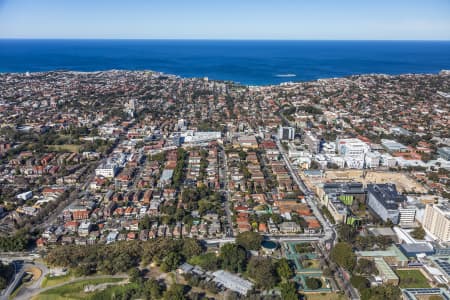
<point>444,265</point>
<point>424,290</point>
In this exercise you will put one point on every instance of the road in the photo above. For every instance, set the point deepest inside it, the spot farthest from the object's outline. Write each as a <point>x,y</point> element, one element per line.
<point>224,172</point>
<point>275,238</point>
<point>20,267</point>
<point>329,231</point>
<point>330,234</point>
<point>24,260</point>
<point>22,256</point>
<point>339,275</point>
<point>26,291</point>
<point>19,272</point>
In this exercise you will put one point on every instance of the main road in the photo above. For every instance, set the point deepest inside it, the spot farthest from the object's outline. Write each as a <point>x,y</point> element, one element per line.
<point>330,234</point>
<point>275,238</point>
<point>19,272</point>
<point>20,267</point>
<point>329,231</point>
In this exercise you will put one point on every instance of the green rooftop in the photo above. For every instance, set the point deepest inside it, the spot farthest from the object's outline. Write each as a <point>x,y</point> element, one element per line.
<point>392,251</point>
<point>384,269</point>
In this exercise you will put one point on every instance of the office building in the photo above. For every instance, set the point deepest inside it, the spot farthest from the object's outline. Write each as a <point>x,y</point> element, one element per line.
<point>393,146</point>
<point>352,148</point>
<point>384,201</point>
<point>372,159</point>
<point>436,221</point>
<point>192,137</point>
<point>286,133</point>
<point>407,215</point>
<point>353,151</point>
<point>106,170</point>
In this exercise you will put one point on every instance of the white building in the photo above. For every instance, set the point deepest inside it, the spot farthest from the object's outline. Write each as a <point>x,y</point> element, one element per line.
<point>181,124</point>
<point>437,221</point>
<point>354,163</point>
<point>372,159</point>
<point>339,161</point>
<point>84,228</point>
<point>329,148</point>
<point>388,160</point>
<point>407,215</point>
<point>191,136</point>
<point>393,146</point>
<point>232,282</point>
<point>294,153</point>
<point>405,163</point>
<point>25,196</point>
<point>312,142</point>
<point>354,151</point>
<point>353,148</point>
<point>106,170</point>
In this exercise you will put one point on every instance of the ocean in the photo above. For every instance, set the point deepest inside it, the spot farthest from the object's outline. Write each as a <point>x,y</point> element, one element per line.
<point>247,62</point>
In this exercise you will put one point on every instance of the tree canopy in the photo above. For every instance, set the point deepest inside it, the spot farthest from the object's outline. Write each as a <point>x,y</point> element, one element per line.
<point>233,257</point>
<point>343,255</point>
<point>121,256</point>
<point>366,267</point>
<point>249,240</point>
<point>288,291</point>
<point>284,269</point>
<point>313,283</point>
<point>418,233</point>
<point>262,270</point>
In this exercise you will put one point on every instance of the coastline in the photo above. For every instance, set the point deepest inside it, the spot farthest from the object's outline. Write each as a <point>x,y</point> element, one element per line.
<point>443,72</point>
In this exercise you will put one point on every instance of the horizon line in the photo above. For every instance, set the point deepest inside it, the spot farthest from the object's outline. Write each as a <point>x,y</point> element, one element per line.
<point>222,39</point>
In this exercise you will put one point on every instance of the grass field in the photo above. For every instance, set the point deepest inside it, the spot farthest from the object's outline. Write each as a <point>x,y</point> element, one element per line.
<point>112,291</point>
<point>73,291</point>
<point>326,296</point>
<point>68,147</point>
<point>311,264</point>
<point>52,281</point>
<point>412,279</point>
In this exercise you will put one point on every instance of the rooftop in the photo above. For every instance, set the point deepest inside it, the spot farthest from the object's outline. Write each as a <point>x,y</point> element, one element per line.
<point>392,251</point>
<point>384,269</point>
<point>232,282</point>
<point>386,194</point>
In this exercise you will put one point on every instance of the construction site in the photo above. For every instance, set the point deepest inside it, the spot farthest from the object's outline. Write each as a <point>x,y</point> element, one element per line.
<point>403,182</point>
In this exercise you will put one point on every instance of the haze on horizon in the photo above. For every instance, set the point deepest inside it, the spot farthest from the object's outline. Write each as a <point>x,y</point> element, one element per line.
<point>231,19</point>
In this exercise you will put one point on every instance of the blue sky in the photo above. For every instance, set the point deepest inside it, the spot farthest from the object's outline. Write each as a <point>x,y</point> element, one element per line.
<point>227,19</point>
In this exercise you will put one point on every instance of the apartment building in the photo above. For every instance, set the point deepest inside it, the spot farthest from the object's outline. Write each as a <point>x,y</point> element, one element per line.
<point>436,221</point>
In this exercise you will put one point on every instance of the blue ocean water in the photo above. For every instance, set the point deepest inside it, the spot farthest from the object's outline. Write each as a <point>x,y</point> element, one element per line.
<point>247,62</point>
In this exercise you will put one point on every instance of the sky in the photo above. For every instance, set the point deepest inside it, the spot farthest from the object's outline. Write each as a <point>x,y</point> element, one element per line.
<point>227,19</point>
